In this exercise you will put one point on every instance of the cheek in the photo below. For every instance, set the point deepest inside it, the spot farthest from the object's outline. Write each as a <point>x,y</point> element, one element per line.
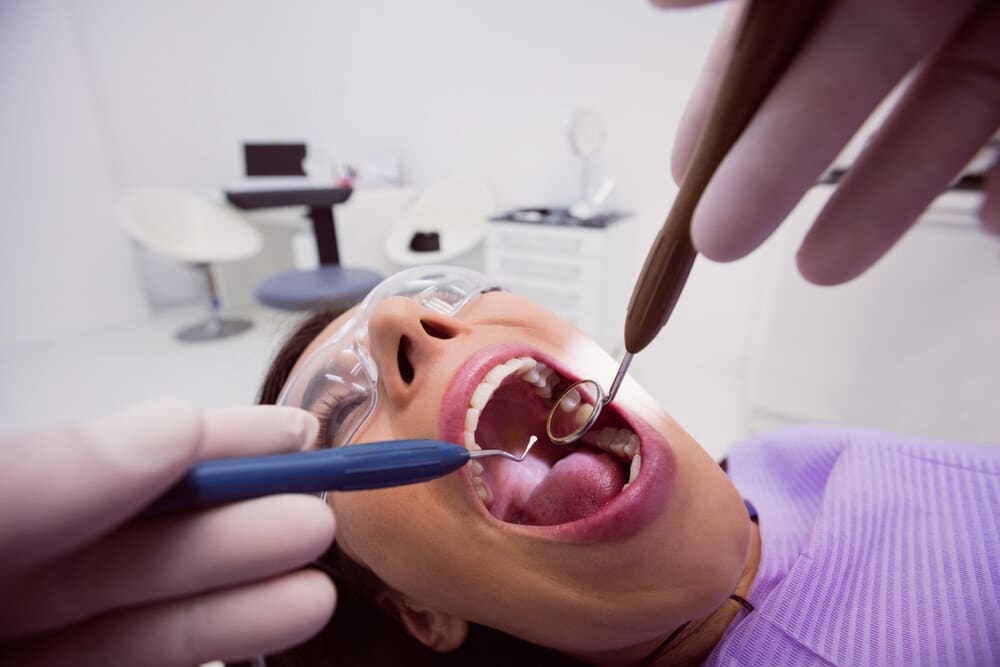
<point>706,524</point>
<point>430,550</point>
<point>416,420</point>
<point>407,535</point>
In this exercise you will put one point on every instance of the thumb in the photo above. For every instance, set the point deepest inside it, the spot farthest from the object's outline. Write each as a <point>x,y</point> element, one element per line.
<point>64,487</point>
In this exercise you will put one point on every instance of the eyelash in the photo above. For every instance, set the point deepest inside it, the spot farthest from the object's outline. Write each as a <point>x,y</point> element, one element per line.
<point>325,410</point>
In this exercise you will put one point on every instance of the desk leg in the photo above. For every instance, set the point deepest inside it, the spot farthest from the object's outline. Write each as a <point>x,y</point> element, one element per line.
<point>325,231</point>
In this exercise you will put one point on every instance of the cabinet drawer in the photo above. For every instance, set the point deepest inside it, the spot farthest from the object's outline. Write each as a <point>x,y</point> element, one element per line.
<point>546,270</point>
<point>563,299</point>
<point>548,242</point>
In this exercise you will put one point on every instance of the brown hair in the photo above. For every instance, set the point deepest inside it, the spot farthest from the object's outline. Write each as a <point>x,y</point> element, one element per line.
<point>363,630</point>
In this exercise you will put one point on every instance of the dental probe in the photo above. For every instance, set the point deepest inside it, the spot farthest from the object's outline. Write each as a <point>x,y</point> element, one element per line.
<point>771,33</point>
<point>349,468</point>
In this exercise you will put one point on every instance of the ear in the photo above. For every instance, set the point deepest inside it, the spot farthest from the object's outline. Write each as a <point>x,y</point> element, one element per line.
<point>434,629</point>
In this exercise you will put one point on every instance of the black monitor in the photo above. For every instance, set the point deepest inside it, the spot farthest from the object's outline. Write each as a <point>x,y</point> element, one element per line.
<point>274,159</point>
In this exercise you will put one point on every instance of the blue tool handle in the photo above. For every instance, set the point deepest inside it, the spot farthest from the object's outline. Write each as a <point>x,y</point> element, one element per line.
<point>351,468</point>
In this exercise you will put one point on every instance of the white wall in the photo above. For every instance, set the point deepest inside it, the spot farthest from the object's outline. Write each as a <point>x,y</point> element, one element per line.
<point>446,85</point>
<point>913,345</point>
<point>64,265</point>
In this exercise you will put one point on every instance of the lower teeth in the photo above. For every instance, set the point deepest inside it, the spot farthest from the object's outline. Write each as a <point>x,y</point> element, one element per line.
<point>633,469</point>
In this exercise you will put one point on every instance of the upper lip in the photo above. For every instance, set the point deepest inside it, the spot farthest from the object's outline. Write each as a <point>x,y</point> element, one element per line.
<point>627,512</point>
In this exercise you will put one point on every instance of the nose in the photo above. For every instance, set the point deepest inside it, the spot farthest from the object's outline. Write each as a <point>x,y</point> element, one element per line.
<point>407,343</point>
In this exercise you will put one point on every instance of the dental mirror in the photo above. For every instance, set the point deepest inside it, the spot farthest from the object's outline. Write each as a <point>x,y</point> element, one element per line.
<point>586,138</point>
<point>579,406</point>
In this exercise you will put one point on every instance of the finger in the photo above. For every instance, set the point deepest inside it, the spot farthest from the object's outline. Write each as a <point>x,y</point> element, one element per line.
<point>262,618</point>
<point>63,487</point>
<point>705,90</point>
<point>257,430</point>
<point>989,211</point>
<point>946,116</point>
<point>859,51</point>
<point>168,558</point>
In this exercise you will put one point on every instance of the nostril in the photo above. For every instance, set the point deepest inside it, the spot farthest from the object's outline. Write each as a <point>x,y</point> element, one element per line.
<point>406,370</point>
<point>436,330</point>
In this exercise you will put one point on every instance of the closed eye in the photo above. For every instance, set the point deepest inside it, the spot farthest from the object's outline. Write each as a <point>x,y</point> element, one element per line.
<point>333,414</point>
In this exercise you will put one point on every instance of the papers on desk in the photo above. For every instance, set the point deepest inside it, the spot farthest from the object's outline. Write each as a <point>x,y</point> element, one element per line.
<point>268,183</point>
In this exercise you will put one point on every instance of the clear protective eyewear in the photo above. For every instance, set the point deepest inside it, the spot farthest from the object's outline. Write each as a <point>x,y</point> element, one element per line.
<point>338,381</point>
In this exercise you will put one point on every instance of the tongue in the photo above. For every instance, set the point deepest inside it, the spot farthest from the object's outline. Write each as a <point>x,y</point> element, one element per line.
<point>577,486</point>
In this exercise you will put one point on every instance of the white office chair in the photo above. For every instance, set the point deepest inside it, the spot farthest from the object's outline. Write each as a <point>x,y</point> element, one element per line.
<point>445,225</point>
<point>188,229</point>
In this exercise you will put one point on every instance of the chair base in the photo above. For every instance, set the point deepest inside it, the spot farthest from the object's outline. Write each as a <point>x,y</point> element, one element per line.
<point>214,329</point>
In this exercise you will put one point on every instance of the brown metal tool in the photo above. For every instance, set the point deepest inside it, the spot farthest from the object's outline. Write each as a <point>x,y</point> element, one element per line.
<point>771,33</point>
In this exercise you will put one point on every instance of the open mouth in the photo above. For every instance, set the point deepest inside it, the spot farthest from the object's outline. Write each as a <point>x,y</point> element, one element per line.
<point>556,484</point>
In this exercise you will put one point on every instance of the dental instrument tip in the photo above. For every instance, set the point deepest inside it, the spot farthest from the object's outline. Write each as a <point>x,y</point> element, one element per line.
<point>479,453</point>
<point>531,443</point>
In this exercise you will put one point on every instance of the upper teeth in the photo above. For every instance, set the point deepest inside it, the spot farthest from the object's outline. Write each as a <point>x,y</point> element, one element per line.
<point>621,442</point>
<point>529,370</point>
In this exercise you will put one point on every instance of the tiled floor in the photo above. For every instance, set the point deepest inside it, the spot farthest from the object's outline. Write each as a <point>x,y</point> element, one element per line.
<point>71,379</point>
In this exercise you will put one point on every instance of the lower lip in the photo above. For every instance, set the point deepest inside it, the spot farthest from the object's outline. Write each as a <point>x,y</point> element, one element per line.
<point>626,514</point>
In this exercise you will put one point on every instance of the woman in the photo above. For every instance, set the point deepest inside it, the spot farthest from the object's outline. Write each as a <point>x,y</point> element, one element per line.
<point>633,547</point>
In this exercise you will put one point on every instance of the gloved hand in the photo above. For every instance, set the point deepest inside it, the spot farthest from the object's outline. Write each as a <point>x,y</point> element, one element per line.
<point>856,55</point>
<point>83,582</point>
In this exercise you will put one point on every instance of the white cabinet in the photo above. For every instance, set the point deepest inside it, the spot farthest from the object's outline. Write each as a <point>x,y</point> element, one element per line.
<point>584,274</point>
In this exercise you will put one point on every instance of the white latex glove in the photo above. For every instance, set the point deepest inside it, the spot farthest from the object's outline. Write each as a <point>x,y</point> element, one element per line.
<point>83,583</point>
<point>859,51</point>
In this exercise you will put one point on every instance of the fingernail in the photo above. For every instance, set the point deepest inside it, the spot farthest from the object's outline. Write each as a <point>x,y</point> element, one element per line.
<point>149,435</point>
<point>989,214</point>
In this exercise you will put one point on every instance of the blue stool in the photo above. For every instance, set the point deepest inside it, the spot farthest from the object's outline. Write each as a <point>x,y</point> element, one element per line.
<point>328,286</point>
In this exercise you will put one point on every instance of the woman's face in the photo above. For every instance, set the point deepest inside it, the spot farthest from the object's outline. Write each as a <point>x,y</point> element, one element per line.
<point>557,549</point>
